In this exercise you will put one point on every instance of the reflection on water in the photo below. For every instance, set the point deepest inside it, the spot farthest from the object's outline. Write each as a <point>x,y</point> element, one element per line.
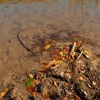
<point>74,4</point>
<point>73,14</point>
<point>26,1</point>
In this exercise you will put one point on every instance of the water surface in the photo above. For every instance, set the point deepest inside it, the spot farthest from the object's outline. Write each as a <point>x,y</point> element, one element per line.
<point>77,15</point>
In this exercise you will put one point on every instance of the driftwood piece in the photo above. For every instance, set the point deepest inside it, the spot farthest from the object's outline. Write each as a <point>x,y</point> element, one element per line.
<point>82,53</point>
<point>72,53</point>
<point>73,48</point>
<point>79,56</point>
<point>23,44</point>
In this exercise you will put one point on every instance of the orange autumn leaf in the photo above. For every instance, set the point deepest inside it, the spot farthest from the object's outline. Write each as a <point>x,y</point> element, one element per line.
<point>78,98</point>
<point>45,43</point>
<point>47,47</point>
<point>56,52</point>
<point>79,43</point>
<point>74,35</point>
<point>46,96</point>
<point>80,78</point>
<point>67,84</point>
<point>30,89</point>
<point>45,64</point>
<point>35,93</point>
<point>80,35</point>
<point>65,50</point>
<point>55,58</point>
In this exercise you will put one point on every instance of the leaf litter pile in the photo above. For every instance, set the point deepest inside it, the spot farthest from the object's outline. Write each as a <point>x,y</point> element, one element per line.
<point>67,76</point>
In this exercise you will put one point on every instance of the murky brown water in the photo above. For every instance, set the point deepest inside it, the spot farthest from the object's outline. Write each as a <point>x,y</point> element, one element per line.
<point>41,16</point>
<point>75,14</point>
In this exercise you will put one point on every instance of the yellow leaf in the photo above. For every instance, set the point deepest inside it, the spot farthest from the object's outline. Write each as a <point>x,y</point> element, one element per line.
<point>3,93</point>
<point>58,61</point>
<point>47,47</point>
<point>85,51</point>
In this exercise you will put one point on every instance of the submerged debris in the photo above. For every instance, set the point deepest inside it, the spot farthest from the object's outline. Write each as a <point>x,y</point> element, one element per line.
<point>59,79</point>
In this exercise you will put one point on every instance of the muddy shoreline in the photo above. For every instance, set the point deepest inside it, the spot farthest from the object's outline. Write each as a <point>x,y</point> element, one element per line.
<point>17,60</point>
<point>37,23</point>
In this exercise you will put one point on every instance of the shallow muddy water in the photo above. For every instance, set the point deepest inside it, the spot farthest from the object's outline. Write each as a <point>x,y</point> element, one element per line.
<point>37,20</point>
<point>75,14</point>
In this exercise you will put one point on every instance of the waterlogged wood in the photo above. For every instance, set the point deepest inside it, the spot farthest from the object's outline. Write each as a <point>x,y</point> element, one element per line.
<point>23,44</point>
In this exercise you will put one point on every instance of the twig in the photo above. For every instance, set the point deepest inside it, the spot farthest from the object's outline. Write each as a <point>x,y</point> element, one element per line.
<point>72,53</point>
<point>73,48</point>
<point>83,52</point>
<point>55,66</point>
<point>85,55</point>
<point>18,36</point>
<point>79,56</point>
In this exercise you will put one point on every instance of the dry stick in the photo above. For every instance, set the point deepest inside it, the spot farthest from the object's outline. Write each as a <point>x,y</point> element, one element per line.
<point>85,55</point>
<point>73,48</point>
<point>18,36</point>
<point>79,56</point>
<point>55,66</point>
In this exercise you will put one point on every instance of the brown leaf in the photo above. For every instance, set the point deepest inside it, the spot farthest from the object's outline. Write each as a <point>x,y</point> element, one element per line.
<point>56,52</point>
<point>80,78</point>
<point>77,97</point>
<point>30,89</point>
<point>79,43</point>
<point>46,96</point>
<point>45,63</point>
<point>47,47</point>
<point>55,58</point>
<point>67,84</point>
<point>80,35</point>
<point>45,43</point>
<point>35,93</point>
<point>74,35</point>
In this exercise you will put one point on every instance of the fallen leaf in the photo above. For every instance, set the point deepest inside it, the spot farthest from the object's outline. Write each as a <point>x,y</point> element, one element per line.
<point>29,82</point>
<point>67,84</point>
<point>80,35</point>
<point>79,43</point>
<point>94,83</point>
<point>80,78</point>
<point>61,53</point>
<point>86,51</point>
<point>59,62</point>
<point>56,84</point>
<point>3,93</point>
<point>47,47</point>
<point>31,75</point>
<point>74,35</point>
<point>30,89</point>
<point>56,52</point>
<point>69,70</point>
<point>45,63</point>
<point>52,63</point>
<point>35,93</point>
<point>46,96</point>
<point>46,43</point>
<point>77,97</point>
<point>55,58</point>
